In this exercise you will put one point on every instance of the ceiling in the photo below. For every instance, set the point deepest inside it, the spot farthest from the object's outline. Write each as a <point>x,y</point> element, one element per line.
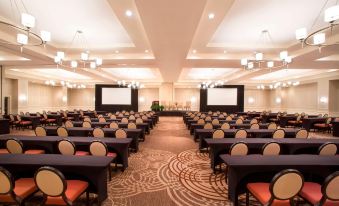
<point>168,41</point>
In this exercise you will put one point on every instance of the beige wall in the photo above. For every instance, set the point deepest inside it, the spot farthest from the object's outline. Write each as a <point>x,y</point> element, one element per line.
<point>146,96</point>
<point>81,99</point>
<point>183,95</point>
<point>334,97</point>
<point>256,100</point>
<point>11,90</point>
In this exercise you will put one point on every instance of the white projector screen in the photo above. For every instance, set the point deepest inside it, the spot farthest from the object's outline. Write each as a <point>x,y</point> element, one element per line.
<point>222,96</point>
<point>118,96</point>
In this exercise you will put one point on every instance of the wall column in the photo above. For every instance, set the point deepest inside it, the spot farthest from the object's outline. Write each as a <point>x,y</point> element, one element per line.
<point>323,95</point>
<point>166,93</point>
<point>22,95</point>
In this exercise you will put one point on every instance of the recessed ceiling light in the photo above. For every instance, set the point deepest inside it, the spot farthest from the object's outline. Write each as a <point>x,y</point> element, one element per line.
<point>116,51</point>
<point>146,51</point>
<point>194,51</point>
<point>128,13</point>
<point>225,51</point>
<point>211,15</point>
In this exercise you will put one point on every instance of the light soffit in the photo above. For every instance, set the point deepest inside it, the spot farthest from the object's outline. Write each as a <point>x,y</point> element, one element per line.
<point>52,74</point>
<point>206,73</point>
<point>140,74</point>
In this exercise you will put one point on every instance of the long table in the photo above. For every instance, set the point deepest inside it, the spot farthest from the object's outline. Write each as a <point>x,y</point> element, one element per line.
<point>92,169</point>
<point>4,126</point>
<point>49,144</point>
<point>254,168</point>
<point>134,134</point>
<point>288,146</point>
<point>232,125</point>
<point>309,122</point>
<point>335,128</point>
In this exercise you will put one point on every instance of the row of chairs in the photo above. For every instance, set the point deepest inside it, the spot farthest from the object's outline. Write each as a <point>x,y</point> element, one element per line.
<point>123,120</point>
<point>228,126</point>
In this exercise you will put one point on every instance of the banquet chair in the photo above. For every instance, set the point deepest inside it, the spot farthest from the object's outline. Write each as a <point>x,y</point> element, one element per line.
<point>144,117</point>
<point>302,133</point>
<point>126,114</point>
<point>255,126</point>
<point>40,131</point>
<point>99,148</point>
<point>240,133</point>
<point>87,119</point>
<point>137,115</point>
<point>4,151</point>
<point>203,116</point>
<point>237,149</point>
<point>208,126</point>
<point>278,134</point>
<point>254,121</point>
<point>120,133</point>
<point>62,132</point>
<point>131,125</point>
<point>215,122</point>
<point>48,121</point>
<point>15,191</point>
<point>67,147</point>
<point>229,118</point>
<point>98,132</point>
<point>201,121</point>
<point>326,194</point>
<point>225,126</point>
<point>102,119</point>
<point>124,120</point>
<point>272,125</point>
<point>87,124</point>
<point>218,134</point>
<point>328,148</point>
<point>208,118</point>
<point>69,123</point>
<point>271,148</point>
<point>239,121</point>
<point>221,116</point>
<point>139,121</point>
<point>23,123</point>
<point>132,117</point>
<point>241,117</point>
<point>12,121</point>
<point>114,125</point>
<point>196,118</point>
<point>100,116</point>
<point>120,115</point>
<point>113,116</point>
<point>282,190</point>
<point>326,126</point>
<point>295,123</point>
<point>56,189</point>
<point>15,146</point>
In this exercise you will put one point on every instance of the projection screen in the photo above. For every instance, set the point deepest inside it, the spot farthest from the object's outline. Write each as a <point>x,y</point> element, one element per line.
<point>116,96</point>
<point>222,96</point>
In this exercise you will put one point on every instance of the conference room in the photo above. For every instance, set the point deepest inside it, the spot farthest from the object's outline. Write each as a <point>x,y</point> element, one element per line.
<point>169,102</point>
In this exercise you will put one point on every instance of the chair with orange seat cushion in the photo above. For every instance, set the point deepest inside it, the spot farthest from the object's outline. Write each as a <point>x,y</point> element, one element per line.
<point>280,191</point>
<point>99,148</point>
<point>326,126</point>
<point>56,189</point>
<point>67,147</point>
<point>3,151</point>
<point>15,192</point>
<point>237,149</point>
<point>15,146</point>
<point>40,131</point>
<point>47,120</point>
<point>326,194</point>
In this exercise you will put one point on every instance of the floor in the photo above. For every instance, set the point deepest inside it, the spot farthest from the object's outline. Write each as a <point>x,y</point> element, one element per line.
<point>168,170</point>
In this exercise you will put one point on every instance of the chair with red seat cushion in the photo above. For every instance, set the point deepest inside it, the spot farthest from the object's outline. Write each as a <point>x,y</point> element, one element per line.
<point>15,192</point>
<point>67,147</point>
<point>47,120</point>
<point>23,123</point>
<point>280,192</point>
<point>295,123</point>
<point>99,148</point>
<point>56,189</point>
<point>15,146</point>
<point>326,194</point>
<point>326,126</point>
<point>3,151</point>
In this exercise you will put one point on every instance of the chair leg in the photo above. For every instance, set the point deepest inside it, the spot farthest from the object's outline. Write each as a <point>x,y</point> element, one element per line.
<point>247,198</point>
<point>110,172</point>
<point>87,197</point>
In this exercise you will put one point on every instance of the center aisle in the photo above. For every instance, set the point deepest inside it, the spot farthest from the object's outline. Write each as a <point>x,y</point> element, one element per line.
<point>168,170</point>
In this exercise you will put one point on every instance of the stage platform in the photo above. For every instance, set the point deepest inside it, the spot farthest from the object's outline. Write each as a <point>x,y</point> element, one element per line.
<point>172,113</point>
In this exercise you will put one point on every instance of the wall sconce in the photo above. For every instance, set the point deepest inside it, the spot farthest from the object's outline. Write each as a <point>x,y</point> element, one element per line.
<point>250,100</point>
<point>141,99</point>
<point>278,100</point>
<point>323,100</point>
<point>193,99</point>
<point>22,97</point>
<point>64,99</point>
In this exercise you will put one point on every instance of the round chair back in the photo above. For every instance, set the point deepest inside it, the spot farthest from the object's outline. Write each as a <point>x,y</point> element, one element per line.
<point>69,123</point>
<point>121,115</point>
<point>225,126</point>
<point>302,133</point>
<point>208,118</point>
<point>239,148</point>
<point>87,124</point>
<point>50,181</point>
<point>98,132</point>
<point>40,131</point>
<point>278,134</point>
<point>139,121</point>
<point>255,126</point>
<point>271,148</point>
<point>201,121</point>
<point>228,118</point>
<point>124,120</point>
<point>62,132</point>
<point>113,116</point>
<point>132,117</point>
<point>98,148</point>
<point>87,119</point>
<point>330,187</point>
<point>208,126</point>
<point>286,184</point>
<point>215,122</point>
<point>120,133</point>
<point>328,148</point>
<point>131,125</point>
<point>253,121</point>
<point>144,117</point>
<point>6,181</point>
<point>196,118</point>
<point>221,116</point>
<point>239,121</point>
<point>102,119</point>
<point>66,147</point>
<point>241,133</point>
<point>217,134</point>
<point>114,125</point>
<point>272,126</point>
<point>14,146</point>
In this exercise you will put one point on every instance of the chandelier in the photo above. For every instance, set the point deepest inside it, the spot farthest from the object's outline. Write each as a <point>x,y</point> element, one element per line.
<point>258,60</point>
<point>331,15</point>
<point>211,84</point>
<point>84,57</point>
<point>132,84</point>
<point>25,36</point>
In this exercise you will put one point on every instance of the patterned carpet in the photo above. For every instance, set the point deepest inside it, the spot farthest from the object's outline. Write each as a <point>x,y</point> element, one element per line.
<point>168,170</point>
